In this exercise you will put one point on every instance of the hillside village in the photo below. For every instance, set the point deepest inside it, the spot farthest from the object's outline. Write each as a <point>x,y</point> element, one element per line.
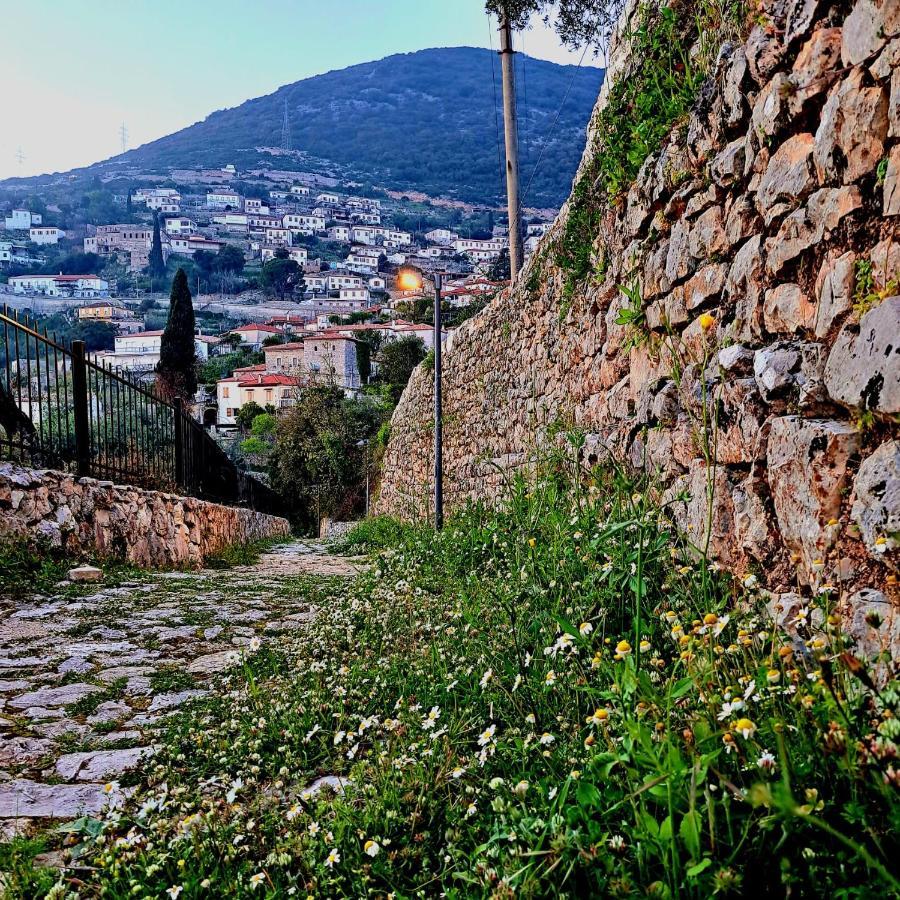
<point>319,320</point>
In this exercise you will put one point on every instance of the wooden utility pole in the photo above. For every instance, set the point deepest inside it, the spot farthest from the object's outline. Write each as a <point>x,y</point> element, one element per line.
<point>511,135</point>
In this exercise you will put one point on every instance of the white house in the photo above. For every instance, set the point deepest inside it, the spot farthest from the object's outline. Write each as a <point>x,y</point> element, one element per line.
<point>180,225</point>
<point>220,199</point>
<point>252,204</point>
<point>355,295</point>
<point>297,254</point>
<point>139,352</point>
<point>252,384</point>
<point>188,245</point>
<point>60,285</point>
<point>376,283</point>
<point>22,220</point>
<point>303,223</point>
<point>300,190</point>
<point>327,197</point>
<point>45,234</point>
<point>253,334</point>
<point>280,236</point>
<point>443,236</point>
<point>233,221</point>
<point>465,245</point>
<point>339,233</point>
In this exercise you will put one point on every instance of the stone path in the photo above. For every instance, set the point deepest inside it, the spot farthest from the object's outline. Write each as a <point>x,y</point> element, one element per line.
<point>84,683</point>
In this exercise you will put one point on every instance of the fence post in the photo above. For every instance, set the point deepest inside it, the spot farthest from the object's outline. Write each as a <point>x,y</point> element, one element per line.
<point>80,400</point>
<point>179,442</point>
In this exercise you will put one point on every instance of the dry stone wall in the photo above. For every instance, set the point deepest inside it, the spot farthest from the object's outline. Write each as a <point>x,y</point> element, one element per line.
<point>147,528</point>
<point>763,240</point>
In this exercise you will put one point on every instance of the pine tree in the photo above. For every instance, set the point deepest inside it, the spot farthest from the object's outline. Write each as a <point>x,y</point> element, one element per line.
<point>177,372</point>
<point>157,264</point>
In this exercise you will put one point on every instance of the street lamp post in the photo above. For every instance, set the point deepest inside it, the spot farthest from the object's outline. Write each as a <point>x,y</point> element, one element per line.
<point>438,419</point>
<point>412,279</point>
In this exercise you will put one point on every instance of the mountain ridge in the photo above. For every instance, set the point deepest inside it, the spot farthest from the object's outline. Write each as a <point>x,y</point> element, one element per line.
<point>387,121</point>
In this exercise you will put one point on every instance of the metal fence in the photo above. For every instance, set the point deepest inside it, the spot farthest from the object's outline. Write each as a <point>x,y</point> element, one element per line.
<point>61,408</point>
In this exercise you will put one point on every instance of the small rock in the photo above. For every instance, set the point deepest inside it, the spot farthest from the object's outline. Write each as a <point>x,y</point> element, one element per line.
<point>891,205</point>
<point>110,711</point>
<point>76,664</point>
<point>787,309</point>
<point>736,359</point>
<point>85,574</point>
<point>54,696</point>
<point>170,701</point>
<point>788,177</point>
<point>214,662</point>
<point>874,622</point>
<point>834,287</point>
<point>100,765</point>
<point>333,783</point>
<point>23,751</point>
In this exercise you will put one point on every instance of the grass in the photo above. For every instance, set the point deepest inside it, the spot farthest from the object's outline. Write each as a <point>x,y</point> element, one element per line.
<point>89,704</point>
<point>19,876</point>
<point>644,105</point>
<point>562,698</point>
<point>170,680</point>
<point>241,554</point>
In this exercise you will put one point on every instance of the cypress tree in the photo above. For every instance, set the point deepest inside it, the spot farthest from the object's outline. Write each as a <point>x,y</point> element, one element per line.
<point>157,264</point>
<point>176,372</point>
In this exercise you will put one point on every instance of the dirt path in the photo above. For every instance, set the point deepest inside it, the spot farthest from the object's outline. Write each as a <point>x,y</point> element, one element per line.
<point>84,683</point>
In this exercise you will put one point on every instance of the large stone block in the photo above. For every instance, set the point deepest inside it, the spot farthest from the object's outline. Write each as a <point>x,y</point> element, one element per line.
<point>852,130</point>
<point>876,507</point>
<point>808,466</point>
<point>863,368</point>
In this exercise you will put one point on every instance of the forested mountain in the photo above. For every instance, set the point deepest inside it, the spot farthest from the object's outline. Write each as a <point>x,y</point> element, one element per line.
<point>427,121</point>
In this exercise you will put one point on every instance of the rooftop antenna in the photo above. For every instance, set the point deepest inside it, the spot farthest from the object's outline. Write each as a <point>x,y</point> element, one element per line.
<point>285,128</point>
<point>123,136</point>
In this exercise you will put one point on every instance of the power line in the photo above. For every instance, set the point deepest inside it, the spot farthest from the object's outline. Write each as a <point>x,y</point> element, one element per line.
<point>496,115</point>
<point>553,125</point>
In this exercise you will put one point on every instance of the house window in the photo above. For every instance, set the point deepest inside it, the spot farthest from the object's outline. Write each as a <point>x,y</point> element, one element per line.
<point>225,393</point>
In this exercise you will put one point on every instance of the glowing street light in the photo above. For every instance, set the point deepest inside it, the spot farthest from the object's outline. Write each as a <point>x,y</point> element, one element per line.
<point>410,279</point>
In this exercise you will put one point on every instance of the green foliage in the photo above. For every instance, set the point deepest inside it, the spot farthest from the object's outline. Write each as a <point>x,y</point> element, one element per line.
<point>319,464</point>
<point>89,704</point>
<point>20,876</point>
<point>373,534</point>
<point>263,425</point>
<point>644,104</point>
<point>28,566</point>
<point>176,371</point>
<point>216,367</point>
<point>247,413</point>
<point>396,361</point>
<point>281,277</point>
<point>156,264</point>
<point>632,316</point>
<point>560,698</point>
<point>869,289</point>
<point>240,554</point>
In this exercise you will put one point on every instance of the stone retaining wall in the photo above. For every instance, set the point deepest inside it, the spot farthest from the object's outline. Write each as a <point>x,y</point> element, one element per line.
<point>147,528</point>
<point>763,240</point>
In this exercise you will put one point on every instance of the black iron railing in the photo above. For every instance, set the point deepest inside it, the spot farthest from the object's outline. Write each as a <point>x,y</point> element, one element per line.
<point>61,408</point>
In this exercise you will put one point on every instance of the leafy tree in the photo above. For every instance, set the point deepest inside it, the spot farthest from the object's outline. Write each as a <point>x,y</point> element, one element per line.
<point>247,413</point>
<point>577,22</point>
<point>396,361</point>
<point>229,259</point>
<point>177,369</point>
<point>73,264</point>
<point>281,277</point>
<point>500,268</point>
<point>318,465</point>
<point>157,265</point>
<point>273,340</point>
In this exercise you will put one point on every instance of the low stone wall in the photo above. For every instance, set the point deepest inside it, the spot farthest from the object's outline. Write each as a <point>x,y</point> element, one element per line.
<point>761,249</point>
<point>147,528</point>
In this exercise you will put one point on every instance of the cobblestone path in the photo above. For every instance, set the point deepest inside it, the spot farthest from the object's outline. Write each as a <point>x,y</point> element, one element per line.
<point>85,682</point>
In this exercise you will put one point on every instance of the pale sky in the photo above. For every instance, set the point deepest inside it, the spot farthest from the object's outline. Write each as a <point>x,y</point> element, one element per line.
<point>75,70</point>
